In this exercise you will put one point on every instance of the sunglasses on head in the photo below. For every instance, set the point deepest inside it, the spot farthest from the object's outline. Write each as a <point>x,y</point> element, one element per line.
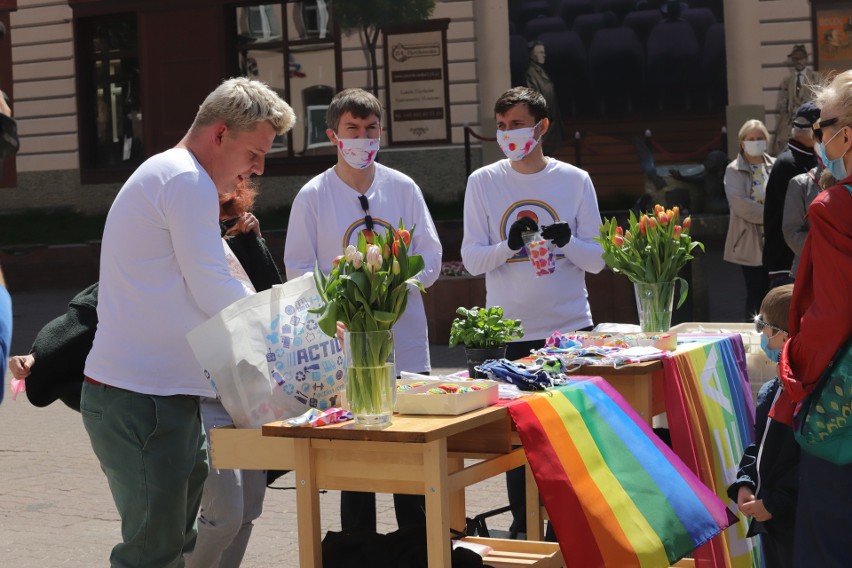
<point>820,124</point>
<point>759,324</point>
<point>365,205</point>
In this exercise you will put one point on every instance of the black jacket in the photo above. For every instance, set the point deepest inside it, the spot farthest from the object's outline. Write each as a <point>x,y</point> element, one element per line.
<point>61,347</point>
<point>795,160</point>
<point>770,467</point>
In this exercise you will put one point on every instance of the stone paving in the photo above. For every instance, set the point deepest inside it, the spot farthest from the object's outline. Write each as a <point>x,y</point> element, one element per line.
<point>55,506</point>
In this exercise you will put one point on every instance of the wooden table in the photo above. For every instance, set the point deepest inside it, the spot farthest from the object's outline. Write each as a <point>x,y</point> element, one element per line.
<point>421,455</point>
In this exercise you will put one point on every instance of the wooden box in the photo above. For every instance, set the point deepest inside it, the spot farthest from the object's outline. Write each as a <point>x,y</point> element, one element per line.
<point>514,553</point>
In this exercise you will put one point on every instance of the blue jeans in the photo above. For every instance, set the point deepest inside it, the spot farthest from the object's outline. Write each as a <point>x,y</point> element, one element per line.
<point>154,454</point>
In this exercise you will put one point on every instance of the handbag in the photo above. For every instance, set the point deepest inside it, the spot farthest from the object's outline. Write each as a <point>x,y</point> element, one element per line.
<point>823,425</point>
<point>9,143</point>
<point>266,357</point>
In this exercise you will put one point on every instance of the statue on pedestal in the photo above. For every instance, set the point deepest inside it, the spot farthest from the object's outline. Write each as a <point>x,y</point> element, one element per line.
<point>795,90</point>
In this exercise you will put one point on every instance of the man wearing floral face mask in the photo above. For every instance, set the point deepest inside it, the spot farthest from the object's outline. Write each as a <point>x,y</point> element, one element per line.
<point>359,196</point>
<point>527,192</point>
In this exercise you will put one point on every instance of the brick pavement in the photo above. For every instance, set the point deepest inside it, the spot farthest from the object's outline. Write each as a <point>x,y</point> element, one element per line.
<point>55,506</point>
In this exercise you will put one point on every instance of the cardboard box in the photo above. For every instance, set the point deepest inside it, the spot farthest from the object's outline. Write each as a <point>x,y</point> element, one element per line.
<point>418,399</point>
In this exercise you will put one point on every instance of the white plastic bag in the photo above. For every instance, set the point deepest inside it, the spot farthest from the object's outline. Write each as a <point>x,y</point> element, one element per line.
<point>267,358</point>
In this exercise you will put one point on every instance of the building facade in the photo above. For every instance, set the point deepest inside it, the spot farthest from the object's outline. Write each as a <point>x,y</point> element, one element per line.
<point>98,85</point>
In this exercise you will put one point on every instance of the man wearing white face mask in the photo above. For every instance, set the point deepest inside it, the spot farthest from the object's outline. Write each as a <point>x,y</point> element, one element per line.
<point>527,192</point>
<point>745,187</point>
<point>356,196</point>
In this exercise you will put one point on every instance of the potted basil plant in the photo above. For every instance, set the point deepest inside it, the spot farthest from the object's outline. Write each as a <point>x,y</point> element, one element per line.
<point>484,333</point>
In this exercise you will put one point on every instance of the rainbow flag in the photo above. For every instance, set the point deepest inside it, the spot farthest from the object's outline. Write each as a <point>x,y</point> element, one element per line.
<point>709,399</point>
<point>615,493</point>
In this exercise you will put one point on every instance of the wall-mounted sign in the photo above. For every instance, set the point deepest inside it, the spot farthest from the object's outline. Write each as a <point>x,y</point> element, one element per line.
<point>832,23</point>
<point>418,99</point>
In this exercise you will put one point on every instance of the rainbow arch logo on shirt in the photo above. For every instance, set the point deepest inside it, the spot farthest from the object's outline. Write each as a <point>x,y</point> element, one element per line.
<point>350,235</point>
<point>539,211</point>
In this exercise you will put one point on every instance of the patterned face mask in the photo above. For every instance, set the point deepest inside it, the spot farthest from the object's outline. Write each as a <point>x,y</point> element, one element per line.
<point>359,152</point>
<point>517,144</point>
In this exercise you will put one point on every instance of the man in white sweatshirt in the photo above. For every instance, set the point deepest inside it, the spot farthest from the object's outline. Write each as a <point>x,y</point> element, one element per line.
<point>163,271</point>
<point>357,196</point>
<point>529,192</point>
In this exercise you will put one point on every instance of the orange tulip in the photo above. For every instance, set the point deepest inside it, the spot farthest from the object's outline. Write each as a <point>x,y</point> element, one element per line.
<point>675,213</point>
<point>619,230</point>
<point>618,240</point>
<point>677,231</point>
<point>405,236</point>
<point>687,223</point>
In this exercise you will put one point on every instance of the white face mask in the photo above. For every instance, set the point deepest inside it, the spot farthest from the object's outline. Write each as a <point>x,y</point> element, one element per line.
<point>359,152</point>
<point>754,148</point>
<point>517,144</point>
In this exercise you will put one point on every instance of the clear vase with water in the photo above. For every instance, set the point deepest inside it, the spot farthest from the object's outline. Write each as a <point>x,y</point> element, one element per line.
<point>654,301</point>
<point>370,376</point>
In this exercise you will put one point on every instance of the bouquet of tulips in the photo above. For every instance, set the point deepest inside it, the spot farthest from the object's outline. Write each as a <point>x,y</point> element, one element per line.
<point>367,290</point>
<point>652,250</point>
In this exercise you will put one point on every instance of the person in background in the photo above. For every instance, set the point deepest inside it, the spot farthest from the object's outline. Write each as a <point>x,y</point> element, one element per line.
<point>801,192</point>
<point>232,499</point>
<point>359,196</point>
<point>797,158</point>
<point>527,192</point>
<point>4,105</point>
<point>820,324</point>
<point>5,330</point>
<point>767,482</point>
<point>163,271</point>
<point>745,187</point>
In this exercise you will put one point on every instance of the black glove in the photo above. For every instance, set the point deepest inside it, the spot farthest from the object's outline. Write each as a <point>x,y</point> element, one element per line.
<point>516,241</point>
<point>559,233</point>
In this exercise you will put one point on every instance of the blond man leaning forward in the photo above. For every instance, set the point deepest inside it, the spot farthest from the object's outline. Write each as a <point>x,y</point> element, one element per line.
<point>163,272</point>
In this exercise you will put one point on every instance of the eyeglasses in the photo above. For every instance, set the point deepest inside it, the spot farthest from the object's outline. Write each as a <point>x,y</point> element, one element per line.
<point>759,324</point>
<point>820,124</point>
<point>365,205</point>
<point>228,224</point>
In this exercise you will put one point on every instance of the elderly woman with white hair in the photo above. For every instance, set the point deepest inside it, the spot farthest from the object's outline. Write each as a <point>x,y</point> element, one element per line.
<point>745,188</point>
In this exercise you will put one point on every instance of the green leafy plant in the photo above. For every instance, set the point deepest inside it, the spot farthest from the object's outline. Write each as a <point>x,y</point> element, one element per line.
<point>483,328</point>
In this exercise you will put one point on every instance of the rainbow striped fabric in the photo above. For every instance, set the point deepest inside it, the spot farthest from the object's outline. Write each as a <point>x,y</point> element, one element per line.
<point>630,501</point>
<point>709,399</point>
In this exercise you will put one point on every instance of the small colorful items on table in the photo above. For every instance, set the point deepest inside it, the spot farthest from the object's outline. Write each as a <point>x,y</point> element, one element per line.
<point>314,417</point>
<point>443,396</point>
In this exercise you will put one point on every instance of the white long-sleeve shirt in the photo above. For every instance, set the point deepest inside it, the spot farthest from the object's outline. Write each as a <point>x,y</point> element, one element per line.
<point>495,198</point>
<point>326,217</point>
<point>163,272</point>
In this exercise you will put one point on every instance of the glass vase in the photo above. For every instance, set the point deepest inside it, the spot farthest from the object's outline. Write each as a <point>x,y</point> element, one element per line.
<point>370,376</point>
<point>654,302</point>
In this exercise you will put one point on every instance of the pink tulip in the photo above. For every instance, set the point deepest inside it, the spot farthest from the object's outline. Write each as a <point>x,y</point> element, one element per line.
<point>374,258</point>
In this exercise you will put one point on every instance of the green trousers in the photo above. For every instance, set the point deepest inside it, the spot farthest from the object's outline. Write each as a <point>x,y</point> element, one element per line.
<point>154,454</point>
